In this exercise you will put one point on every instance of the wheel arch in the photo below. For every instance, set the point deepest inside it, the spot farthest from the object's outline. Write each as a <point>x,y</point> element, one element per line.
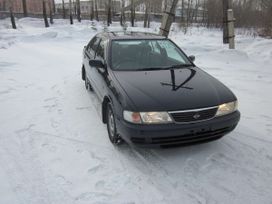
<point>83,73</point>
<point>105,102</point>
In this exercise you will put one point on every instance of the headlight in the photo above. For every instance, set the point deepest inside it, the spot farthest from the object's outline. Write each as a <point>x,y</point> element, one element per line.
<point>227,108</point>
<point>147,117</point>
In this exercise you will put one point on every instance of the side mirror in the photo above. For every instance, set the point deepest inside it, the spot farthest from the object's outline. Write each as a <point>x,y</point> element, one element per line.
<point>96,64</point>
<point>192,58</point>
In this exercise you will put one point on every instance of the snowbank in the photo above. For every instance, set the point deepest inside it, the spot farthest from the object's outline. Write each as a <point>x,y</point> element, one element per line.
<point>54,148</point>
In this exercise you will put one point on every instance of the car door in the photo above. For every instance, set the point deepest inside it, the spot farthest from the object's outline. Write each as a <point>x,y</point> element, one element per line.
<point>100,75</point>
<point>90,55</point>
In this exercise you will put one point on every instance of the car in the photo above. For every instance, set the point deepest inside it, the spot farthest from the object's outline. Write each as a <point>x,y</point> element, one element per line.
<point>152,94</point>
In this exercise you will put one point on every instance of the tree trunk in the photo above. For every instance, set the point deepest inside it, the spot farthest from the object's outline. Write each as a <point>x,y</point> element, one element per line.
<point>165,5</point>
<point>63,10</point>
<point>71,12</point>
<point>12,18</point>
<point>109,13</point>
<point>51,13</point>
<point>204,11</point>
<point>74,7</point>
<point>132,13</point>
<point>196,10</point>
<point>24,8</point>
<point>45,15</point>
<point>168,19</point>
<point>91,10</point>
<point>54,6</point>
<point>182,11</point>
<point>78,11</point>
<point>122,17</point>
<point>147,12</point>
<point>4,5</point>
<point>96,10</point>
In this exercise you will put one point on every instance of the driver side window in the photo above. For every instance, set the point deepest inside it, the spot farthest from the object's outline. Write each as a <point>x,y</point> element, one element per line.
<point>92,47</point>
<point>101,50</point>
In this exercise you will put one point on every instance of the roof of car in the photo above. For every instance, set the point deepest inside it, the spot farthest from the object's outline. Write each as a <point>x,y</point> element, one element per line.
<point>131,35</point>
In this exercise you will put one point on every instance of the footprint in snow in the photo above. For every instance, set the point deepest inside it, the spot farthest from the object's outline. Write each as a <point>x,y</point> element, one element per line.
<point>94,169</point>
<point>49,147</point>
<point>62,180</point>
<point>91,196</point>
<point>100,185</point>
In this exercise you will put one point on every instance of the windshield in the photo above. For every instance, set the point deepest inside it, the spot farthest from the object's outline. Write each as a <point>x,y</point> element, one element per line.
<point>146,54</point>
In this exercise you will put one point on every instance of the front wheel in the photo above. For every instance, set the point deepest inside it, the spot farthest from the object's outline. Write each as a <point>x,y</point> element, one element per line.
<point>111,126</point>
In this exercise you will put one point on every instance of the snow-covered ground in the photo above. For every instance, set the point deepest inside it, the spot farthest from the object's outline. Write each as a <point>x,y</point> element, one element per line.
<point>54,148</point>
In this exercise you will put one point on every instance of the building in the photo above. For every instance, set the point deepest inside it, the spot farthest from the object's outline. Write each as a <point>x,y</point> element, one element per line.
<point>33,6</point>
<point>86,6</point>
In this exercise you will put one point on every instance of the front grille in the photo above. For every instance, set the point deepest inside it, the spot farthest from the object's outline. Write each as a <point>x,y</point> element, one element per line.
<point>194,115</point>
<point>196,137</point>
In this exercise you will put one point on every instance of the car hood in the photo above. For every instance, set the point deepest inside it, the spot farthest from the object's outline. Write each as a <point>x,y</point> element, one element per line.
<point>169,90</point>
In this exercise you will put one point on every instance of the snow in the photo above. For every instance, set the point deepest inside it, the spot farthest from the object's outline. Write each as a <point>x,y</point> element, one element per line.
<point>55,149</point>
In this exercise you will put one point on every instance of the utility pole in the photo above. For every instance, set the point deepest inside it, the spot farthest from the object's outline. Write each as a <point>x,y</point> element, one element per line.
<point>227,4</point>
<point>231,33</point>
<point>228,24</point>
<point>168,19</point>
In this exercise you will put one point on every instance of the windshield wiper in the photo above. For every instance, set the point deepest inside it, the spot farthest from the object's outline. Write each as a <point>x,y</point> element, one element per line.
<point>180,66</point>
<point>165,68</point>
<point>149,69</point>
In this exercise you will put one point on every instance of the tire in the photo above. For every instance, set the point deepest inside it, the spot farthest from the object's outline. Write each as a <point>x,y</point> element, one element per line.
<point>111,127</point>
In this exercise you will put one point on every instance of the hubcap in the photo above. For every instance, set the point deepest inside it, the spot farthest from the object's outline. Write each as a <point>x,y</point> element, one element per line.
<point>86,83</point>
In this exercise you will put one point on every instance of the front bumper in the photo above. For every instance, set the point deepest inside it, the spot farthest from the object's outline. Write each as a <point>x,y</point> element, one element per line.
<point>168,135</point>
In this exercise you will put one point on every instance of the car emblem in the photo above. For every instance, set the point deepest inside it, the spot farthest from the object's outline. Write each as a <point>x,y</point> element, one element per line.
<point>196,116</point>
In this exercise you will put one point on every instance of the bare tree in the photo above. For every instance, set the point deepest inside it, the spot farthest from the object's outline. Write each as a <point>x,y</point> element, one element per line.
<point>54,6</point>
<point>168,19</point>
<point>71,12</point>
<point>266,6</point>
<point>78,11</point>
<point>24,8</point>
<point>12,19</point>
<point>45,14</point>
<point>109,6</point>
<point>147,14</point>
<point>63,10</point>
<point>4,6</point>
<point>182,10</point>
<point>204,11</point>
<point>132,13</point>
<point>122,17</point>
<point>91,10</point>
<point>96,10</point>
<point>50,12</point>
